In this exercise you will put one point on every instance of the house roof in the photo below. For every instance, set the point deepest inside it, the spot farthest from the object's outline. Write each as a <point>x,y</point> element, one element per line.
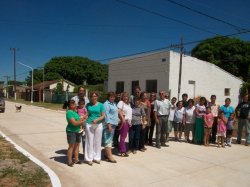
<point>48,83</point>
<point>142,55</point>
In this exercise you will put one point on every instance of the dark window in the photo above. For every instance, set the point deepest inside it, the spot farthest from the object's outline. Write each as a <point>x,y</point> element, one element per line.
<point>134,84</point>
<point>227,92</point>
<point>119,87</point>
<point>151,86</point>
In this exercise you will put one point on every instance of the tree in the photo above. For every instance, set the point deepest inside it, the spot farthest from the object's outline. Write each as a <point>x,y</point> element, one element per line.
<point>37,77</point>
<point>59,88</point>
<point>231,54</point>
<point>75,69</point>
<point>18,83</point>
<point>245,89</point>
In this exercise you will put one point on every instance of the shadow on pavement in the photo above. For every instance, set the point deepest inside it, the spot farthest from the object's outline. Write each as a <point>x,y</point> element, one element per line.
<point>62,152</point>
<point>62,158</point>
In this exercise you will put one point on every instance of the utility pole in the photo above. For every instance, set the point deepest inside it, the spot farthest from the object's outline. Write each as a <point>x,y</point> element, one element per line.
<point>32,78</point>
<point>14,51</point>
<point>43,84</point>
<point>7,88</point>
<point>180,69</point>
<point>180,46</point>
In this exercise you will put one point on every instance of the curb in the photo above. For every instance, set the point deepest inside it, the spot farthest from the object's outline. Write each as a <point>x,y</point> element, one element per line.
<point>53,177</point>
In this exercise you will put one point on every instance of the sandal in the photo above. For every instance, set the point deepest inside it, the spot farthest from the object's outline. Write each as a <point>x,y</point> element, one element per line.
<point>112,161</point>
<point>78,162</point>
<point>97,161</point>
<point>90,163</point>
<point>123,154</point>
<point>71,164</point>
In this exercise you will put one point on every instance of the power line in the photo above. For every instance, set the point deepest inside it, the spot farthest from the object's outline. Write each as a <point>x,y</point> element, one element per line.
<point>83,25</point>
<point>220,10</point>
<point>133,54</point>
<point>204,14</point>
<point>20,74</point>
<point>166,17</point>
<point>159,50</point>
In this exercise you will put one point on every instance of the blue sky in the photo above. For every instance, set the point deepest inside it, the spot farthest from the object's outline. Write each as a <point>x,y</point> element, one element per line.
<point>101,29</point>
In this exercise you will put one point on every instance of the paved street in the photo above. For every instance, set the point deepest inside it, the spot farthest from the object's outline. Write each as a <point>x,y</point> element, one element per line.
<point>42,133</point>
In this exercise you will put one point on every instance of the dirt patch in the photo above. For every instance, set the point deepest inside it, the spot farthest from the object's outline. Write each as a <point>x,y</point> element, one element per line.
<point>8,181</point>
<point>17,170</point>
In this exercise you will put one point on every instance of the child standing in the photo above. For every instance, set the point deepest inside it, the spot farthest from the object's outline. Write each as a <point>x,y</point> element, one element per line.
<point>230,127</point>
<point>179,121</point>
<point>221,129</point>
<point>208,124</point>
<point>82,111</point>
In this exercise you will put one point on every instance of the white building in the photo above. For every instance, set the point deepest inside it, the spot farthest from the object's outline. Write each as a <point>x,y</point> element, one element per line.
<point>160,71</point>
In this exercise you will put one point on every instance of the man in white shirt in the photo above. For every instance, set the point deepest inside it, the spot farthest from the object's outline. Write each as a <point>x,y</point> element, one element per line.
<point>81,95</point>
<point>161,113</point>
<point>137,92</point>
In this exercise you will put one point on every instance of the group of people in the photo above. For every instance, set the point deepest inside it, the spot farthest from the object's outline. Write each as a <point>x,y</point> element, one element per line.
<point>108,124</point>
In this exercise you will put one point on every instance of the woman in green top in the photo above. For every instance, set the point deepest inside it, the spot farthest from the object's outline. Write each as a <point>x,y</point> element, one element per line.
<point>94,130</point>
<point>73,135</point>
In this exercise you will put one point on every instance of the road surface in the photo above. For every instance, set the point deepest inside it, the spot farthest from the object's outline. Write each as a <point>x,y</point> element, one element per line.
<point>42,133</point>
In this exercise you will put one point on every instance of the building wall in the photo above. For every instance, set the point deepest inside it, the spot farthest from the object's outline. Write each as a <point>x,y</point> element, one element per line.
<point>199,78</point>
<point>209,79</point>
<point>65,84</point>
<point>142,68</point>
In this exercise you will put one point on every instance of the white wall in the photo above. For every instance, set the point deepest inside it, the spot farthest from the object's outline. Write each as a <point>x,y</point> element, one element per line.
<point>140,68</point>
<point>209,79</point>
<point>65,84</point>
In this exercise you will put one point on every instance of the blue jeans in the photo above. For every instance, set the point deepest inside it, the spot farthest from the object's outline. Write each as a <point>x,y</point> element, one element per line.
<point>134,136</point>
<point>243,123</point>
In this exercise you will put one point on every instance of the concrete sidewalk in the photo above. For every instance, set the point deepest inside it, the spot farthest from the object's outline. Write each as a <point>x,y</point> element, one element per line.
<point>42,133</point>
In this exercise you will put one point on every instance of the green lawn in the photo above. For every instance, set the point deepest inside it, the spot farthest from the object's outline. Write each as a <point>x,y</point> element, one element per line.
<point>17,170</point>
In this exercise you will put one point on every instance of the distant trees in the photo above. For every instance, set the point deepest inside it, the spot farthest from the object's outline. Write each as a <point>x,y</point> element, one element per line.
<point>231,54</point>
<point>18,83</point>
<point>59,88</point>
<point>75,69</point>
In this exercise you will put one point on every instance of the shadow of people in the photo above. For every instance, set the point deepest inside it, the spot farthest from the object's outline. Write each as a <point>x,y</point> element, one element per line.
<point>62,158</point>
<point>61,152</point>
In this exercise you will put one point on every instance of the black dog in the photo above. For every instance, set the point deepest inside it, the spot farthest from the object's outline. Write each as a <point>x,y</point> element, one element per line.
<point>18,108</point>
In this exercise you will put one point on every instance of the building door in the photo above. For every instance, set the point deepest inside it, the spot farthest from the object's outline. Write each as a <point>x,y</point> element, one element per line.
<point>191,89</point>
